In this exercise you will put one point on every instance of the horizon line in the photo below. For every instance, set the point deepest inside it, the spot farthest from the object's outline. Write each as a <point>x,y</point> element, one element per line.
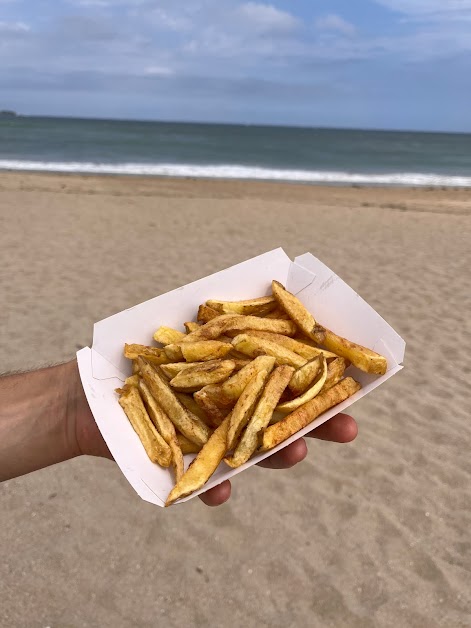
<point>246,124</point>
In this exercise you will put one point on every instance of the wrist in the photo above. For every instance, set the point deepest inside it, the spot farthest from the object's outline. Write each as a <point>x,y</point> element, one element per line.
<point>86,439</point>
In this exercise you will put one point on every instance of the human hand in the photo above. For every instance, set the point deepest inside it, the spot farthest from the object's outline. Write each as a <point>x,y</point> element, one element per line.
<point>342,428</point>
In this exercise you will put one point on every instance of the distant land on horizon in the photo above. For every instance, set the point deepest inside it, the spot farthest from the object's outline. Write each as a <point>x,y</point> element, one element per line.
<point>10,113</point>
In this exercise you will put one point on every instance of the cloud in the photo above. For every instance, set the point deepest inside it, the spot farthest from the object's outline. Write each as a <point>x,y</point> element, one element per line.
<point>267,18</point>
<point>13,27</point>
<point>335,23</point>
<point>158,70</point>
<point>430,9</point>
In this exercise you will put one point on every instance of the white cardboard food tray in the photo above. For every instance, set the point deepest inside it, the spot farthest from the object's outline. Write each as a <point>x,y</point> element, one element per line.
<point>103,367</point>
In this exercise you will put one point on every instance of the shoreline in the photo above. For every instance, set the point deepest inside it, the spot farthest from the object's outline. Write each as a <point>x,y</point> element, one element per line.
<point>248,179</point>
<point>443,200</point>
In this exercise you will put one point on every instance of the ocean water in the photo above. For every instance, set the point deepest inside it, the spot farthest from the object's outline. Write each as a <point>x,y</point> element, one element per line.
<point>332,156</point>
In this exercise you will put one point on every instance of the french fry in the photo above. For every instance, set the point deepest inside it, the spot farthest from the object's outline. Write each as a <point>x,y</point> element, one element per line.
<point>244,407</point>
<point>190,404</point>
<point>186,446</point>
<point>155,446</point>
<point>302,416</point>
<point>189,425</point>
<point>335,371</point>
<point>132,380</point>
<point>135,367</point>
<point>361,357</point>
<point>301,348</point>
<point>191,326</point>
<point>277,313</point>
<point>271,394</point>
<point>152,354</point>
<point>168,336</point>
<point>234,322</point>
<point>173,368</point>
<point>254,307</point>
<point>229,391</point>
<point>315,389</point>
<point>203,466</point>
<point>365,359</point>
<point>165,427</point>
<point>215,413</point>
<point>197,351</point>
<point>206,314</point>
<point>253,347</point>
<point>199,375</point>
<point>304,376</point>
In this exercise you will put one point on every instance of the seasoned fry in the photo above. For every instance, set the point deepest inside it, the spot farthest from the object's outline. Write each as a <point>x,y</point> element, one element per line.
<point>234,322</point>
<point>190,404</point>
<point>249,441</point>
<point>206,314</point>
<point>152,354</point>
<point>199,375</point>
<point>155,446</point>
<point>198,351</point>
<point>215,414</point>
<point>168,336</point>
<point>229,391</point>
<point>254,307</point>
<point>190,326</point>
<point>365,359</point>
<point>135,367</point>
<point>244,407</point>
<point>277,313</point>
<point>189,425</point>
<point>132,380</point>
<point>315,389</point>
<point>301,348</point>
<point>335,371</point>
<point>203,466</point>
<point>302,416</point>
<point>305,376</point>
<point>165,427</point>
<point>186,446</point>
<point>253,346</point>
<point>361,357</point>
<point>202,351</point>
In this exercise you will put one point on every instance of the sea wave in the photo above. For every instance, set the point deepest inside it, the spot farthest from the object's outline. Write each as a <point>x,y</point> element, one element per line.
<point>229,171</point>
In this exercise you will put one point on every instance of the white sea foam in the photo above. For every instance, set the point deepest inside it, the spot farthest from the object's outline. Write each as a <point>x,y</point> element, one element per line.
<point>242,172</point>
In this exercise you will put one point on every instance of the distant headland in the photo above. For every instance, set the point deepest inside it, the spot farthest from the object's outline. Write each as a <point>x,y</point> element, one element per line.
<point>7,113</point>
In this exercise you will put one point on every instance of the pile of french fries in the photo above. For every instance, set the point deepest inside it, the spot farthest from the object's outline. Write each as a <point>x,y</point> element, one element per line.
<point>242,379</point>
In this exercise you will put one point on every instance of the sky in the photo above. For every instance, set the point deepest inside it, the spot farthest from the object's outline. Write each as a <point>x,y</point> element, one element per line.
<point>394,64</point>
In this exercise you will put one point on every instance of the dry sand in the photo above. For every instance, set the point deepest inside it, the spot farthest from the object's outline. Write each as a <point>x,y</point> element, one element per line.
<point>376,533</point>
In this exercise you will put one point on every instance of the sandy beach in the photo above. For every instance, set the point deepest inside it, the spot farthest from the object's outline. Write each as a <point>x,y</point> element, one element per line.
<point>370,534</point>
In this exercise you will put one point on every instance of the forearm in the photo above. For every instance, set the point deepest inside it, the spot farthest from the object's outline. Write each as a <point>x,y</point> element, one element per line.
<point>37,419</point>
